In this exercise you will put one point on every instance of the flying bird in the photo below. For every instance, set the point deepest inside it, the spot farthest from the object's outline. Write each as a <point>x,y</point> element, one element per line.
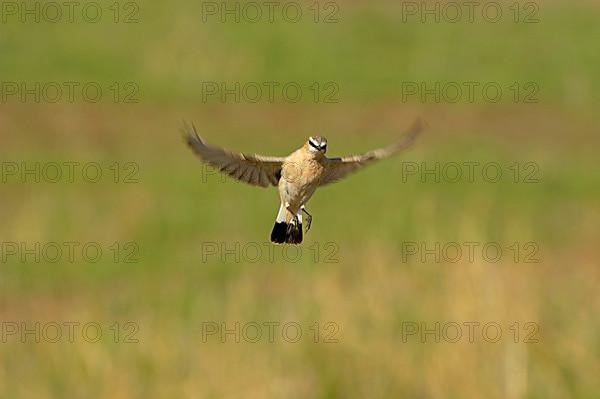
<point>297,176</point>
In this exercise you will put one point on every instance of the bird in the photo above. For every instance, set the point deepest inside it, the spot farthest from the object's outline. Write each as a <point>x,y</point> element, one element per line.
<point>297,176</point>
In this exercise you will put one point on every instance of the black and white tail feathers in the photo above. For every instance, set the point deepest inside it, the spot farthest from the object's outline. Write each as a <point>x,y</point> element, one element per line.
<point>289,233</point>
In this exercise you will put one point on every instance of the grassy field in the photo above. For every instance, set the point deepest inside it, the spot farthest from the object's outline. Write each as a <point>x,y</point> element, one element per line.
<point>186,271</point>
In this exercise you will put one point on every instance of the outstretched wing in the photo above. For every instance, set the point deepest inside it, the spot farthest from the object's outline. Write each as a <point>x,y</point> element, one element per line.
<point>253,169</point>
<point>338,168</point>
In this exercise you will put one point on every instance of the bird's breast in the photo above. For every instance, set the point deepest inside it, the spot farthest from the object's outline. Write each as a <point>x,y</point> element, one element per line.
<point>300,178</point>
<point>302,171</point>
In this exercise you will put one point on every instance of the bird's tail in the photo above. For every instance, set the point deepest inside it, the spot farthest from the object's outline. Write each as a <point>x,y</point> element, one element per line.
<point>287,228</point>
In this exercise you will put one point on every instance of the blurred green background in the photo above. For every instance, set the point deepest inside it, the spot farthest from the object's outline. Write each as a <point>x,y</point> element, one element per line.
<point>174,210</point>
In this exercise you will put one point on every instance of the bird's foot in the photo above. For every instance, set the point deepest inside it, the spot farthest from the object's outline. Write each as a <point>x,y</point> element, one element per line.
<point>308,219</point>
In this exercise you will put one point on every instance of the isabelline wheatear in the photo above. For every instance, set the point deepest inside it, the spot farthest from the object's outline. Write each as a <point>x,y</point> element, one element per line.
<point>297,176</point>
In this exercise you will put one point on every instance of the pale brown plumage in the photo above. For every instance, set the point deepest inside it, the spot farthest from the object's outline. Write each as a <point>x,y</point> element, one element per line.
<point>260,170</point>
<point>338,168</point>
<point>297,176</point>
<point>254,169</point>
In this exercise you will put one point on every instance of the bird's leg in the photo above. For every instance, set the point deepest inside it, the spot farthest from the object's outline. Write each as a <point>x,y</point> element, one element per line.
<point>295,217</point>
<point>308,218</point>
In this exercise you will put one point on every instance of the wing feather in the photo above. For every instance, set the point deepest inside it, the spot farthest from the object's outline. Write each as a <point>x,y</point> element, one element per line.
<point>257,170</point>
<point>338,168</point>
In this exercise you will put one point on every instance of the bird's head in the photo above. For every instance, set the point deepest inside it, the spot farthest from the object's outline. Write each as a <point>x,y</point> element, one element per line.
<point>317,144</point>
